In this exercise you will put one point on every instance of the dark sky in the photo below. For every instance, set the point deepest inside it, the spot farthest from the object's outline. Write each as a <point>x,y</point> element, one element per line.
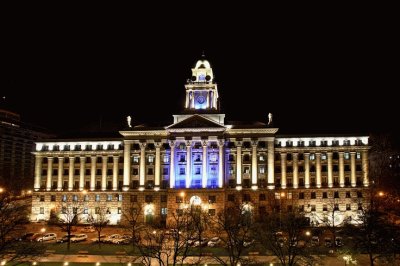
<point>330,75</point>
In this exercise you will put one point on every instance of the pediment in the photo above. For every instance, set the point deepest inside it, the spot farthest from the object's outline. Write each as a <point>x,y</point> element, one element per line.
<point>195,121</point>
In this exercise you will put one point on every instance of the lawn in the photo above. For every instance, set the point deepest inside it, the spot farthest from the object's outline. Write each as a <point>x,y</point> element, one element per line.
<point>93,249</point>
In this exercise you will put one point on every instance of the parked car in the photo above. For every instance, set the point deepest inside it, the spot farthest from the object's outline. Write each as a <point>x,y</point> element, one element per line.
<point>47,237</point>
<point>201,243</point>
<point>315,241</point>
<point>79,238</point>
<point>248,243</point>
<point>214,241</point>
<point>88,229</point>
<point>64,238</point>
<point>110,238</point>
<point>339,241</point>
<point>125,239</point>
<point>25,237</point>
<point>328,242</point>
<point>96,239</point>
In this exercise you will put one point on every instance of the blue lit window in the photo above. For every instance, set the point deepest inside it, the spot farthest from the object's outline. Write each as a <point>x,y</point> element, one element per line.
<point>97,197</point>
<point>166,159</point>
<point>202,77</point>
<point>64,198</point>
<point>213,157</point>
<point>182,171</point>
<point>197,172</point>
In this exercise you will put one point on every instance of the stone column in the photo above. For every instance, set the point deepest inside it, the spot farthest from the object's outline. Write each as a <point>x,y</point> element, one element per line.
<point>318,168</point>
<point>364,160</point>
<point>283,170</point>
<point>330,174</point>
<point>341,169</point>
<point>157,166</point>
<point>38,171</point>
<point>271,150</point>
<point>82,173</point>
<point>204,165</point>
<point>172,165</point>
<point>49,173</point>
<point>127,166</point>
<point>60,173</point>
<point>220,163</point>
<point>239,165</point>
<point>295,170</point>
<point>104,173</point>
<point>353,168</point>
<point>188,163</point>
<point>142,166</point>
<point>307,170</point>
<point>254,165</point>
<point>71,173</point>
<point>115,173</point>
<point>92,173</point>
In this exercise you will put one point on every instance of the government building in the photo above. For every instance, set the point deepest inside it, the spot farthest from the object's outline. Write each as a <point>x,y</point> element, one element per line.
<point>200,160</point>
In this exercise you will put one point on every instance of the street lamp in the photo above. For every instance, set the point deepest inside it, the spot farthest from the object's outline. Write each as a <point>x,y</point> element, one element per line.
<point>43,230</point>
<point>1,190</point>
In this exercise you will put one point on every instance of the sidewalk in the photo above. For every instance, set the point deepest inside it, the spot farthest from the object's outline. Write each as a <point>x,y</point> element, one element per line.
<point>326,260</point>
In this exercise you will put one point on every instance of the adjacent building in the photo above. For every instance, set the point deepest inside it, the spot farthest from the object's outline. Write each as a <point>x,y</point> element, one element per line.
<point>200,160</point>
<point>17,141</point>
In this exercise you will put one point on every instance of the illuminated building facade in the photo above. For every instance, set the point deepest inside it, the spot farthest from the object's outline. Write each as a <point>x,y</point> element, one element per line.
<point>198,159</point>
<point>17,141</point>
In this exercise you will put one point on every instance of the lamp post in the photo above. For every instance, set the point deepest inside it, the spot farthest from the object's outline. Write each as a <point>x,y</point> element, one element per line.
<point>280,208</point>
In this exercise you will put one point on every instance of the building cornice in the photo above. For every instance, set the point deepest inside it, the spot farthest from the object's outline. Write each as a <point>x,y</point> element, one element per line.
<point>145,133</point>
<point>199,129</point>
<point>322,149</point>
<point>77,153</point>
<point>240,131</point>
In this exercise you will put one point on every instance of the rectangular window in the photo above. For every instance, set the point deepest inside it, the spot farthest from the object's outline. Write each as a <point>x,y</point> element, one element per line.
<point>231,158</point>
<point>359,194</point>
<point>151,158</point>
<point>262,197</point>
<point>348,207</point>
<point>163,198</point>
<point>231,197</point>
<point>358,155</point>
<point>64,210</point>
<point>346,155</point>
<point>301,195</point>
<point>313,208</point>
<point>301,208</point>
<point>119,197</point>
<point>75,198</point>
<point>166,159</point>
<point>182,158</point>
<point>312,156</point>
<point>165,171</point>
<point>86,198</point>
<point>133,198</point>
<point>323,156</point>
<point>135,171</point>
<point>41,210</point>
<point>197,171</point>
<point>97,210</point>
<point>85,210</point>
<point>150,171</point>
<point>149,198</point>
<point>164,211</point>
<point>262,169</point>
<point>246,169</point>
<point>336,195</point>
<point>212,199</point>
<point>277,195</point>
<point>53,198</point>
<point>313,195</point>
<point>41,197</point>
<point>211,212</point>
<point>75,210</point>
<point>336,207</point>
<point>324,207</point>
<point>348,195</point>
<point>97,197</point>
<point>119,210</point>
<point>324,195</point>
<point>289,195</point>
<point>64,198</point>
<point>109,197</point>
<point>262,158</point>
<point>182,170</point>
<point>136,159</point>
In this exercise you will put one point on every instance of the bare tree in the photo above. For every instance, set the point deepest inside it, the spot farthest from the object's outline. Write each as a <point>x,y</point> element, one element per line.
<point>132,223</point>
<point>234,224</point>
<point>13,218</point>
<point>283,234</point>
<point>99,221</point>
<point>68,216</point>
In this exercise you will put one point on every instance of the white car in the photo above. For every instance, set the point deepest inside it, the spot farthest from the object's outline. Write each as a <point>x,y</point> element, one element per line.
<point>214,241</point>
<point>47,237</point>
<point>111,238</point>
<point>79,237</point>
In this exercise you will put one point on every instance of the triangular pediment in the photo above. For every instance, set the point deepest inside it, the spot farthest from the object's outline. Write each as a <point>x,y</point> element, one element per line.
<point>195,121</point>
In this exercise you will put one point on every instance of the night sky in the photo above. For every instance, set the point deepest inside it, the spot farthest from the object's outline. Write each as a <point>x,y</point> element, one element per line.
<point>317,76</point>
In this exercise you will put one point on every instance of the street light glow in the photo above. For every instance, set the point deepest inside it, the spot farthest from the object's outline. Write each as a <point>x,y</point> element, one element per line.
<point>182,194</point>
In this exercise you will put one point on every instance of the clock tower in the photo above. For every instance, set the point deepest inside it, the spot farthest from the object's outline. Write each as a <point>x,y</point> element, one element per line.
<point>201,90</point>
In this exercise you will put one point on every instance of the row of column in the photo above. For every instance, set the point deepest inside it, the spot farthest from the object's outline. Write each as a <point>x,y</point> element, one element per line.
<point>254,172</point>
<point>353,179</point>
<point>93,159</point>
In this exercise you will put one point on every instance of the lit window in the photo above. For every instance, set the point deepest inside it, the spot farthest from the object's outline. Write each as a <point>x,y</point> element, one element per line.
<point>358,155</point>
<point>262,169</point>
<point>74,197</point>
<point>289,195</point>
<point>136,159</point>
<point>312,156</point>
<point>151,159</point>
<point>346,155</point>
<point>85,210</point>
<point>277,195</point>
<point>213,170</point>
<point>86,198</point>
<point>213,157</point>
<point>231,170</point>
<point>41,210</point>
<point>119,210</point>
<point>262,158</point>
<point>164,211</point>
<point>109,197</point>
<point>97,197</point>
<point>119,197</point>
<point>246,170</point>
<point>64,198</point>
<point>182,171</point>
<point>323,156</point>
<point>166,159</point>
<point>182,158</point>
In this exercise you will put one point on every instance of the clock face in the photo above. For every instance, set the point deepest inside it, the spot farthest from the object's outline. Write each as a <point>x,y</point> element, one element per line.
<point>201,99</point>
